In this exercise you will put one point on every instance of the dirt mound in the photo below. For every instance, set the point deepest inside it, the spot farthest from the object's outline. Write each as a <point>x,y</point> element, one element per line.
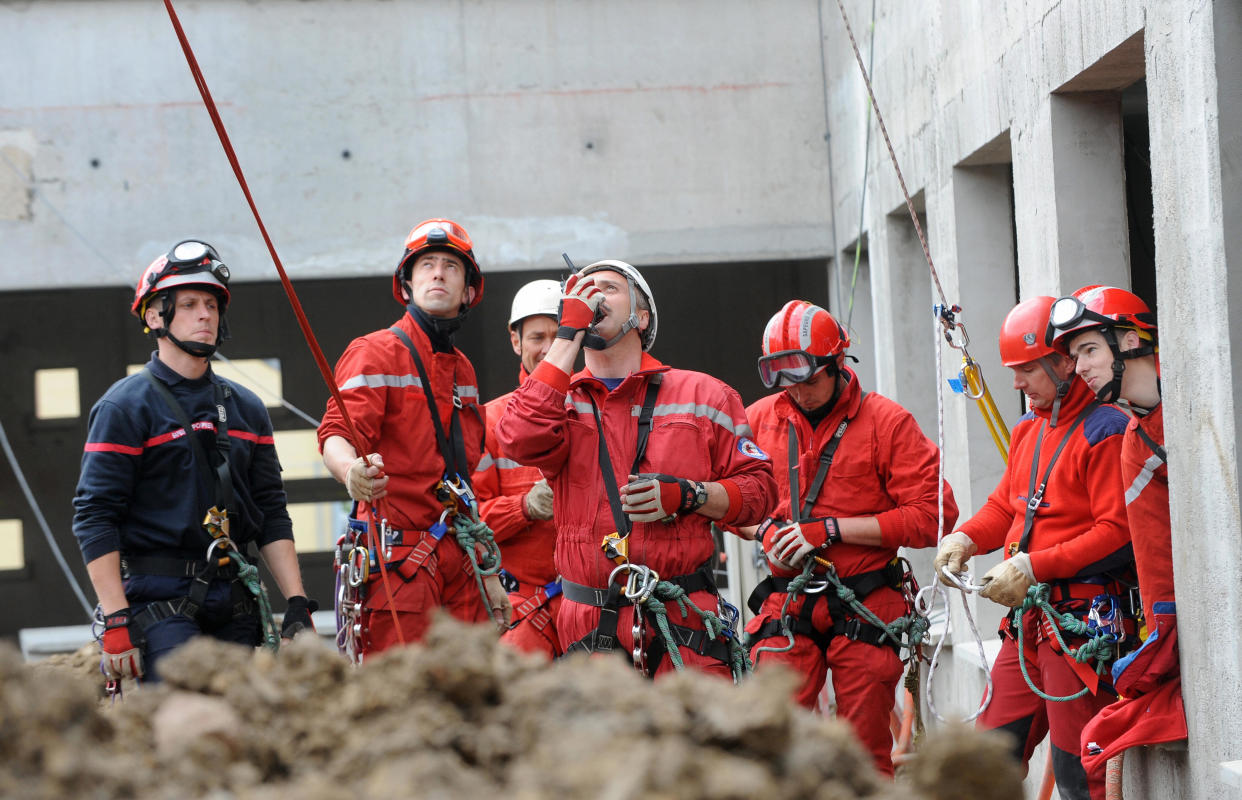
<point>458,717</point>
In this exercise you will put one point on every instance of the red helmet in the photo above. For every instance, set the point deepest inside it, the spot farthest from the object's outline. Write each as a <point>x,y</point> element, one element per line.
<point>1022,332</point>
<point>190,263</point>
<point>438,234</point>
<point>799,341</point>
<point>1096,307</point>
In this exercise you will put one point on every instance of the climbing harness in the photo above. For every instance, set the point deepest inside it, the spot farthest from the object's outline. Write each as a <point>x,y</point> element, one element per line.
<point>850,617</point>
<point>644,589</point>
<point>461,507</point>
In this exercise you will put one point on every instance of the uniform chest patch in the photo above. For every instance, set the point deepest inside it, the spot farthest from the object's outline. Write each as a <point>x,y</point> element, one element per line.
<point>751,450</point>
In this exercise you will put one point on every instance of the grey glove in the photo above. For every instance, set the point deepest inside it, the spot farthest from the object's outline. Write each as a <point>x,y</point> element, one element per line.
<point>538,501</point>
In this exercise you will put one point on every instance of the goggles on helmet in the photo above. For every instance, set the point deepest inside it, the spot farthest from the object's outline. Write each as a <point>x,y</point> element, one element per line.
<point>791,366</point>
<point>1069,311</point>
<point>189,257</point>
<point>439,232</point>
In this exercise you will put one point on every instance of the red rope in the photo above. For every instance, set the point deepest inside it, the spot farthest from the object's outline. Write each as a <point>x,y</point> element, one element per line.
<point>316,351</point>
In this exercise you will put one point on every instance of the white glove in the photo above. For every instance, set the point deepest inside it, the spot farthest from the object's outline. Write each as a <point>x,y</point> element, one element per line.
<point>538,501</point>
<point>955,550</point>
<point>498,602</point>
<point>1007,582</point>
<point>366,481</point>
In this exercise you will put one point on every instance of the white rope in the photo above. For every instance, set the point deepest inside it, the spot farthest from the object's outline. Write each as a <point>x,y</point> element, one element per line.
<point>935,588</point>
<point>258,385</point>
<point>47,531</point>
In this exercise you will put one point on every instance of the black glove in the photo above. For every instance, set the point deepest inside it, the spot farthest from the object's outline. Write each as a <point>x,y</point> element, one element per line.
<point>298,616</point>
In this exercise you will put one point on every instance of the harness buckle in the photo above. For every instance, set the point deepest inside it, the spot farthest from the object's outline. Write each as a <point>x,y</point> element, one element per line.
<point>1036,498</point>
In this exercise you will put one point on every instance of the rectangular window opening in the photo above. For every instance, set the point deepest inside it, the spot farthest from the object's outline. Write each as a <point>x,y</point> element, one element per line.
<point>56,393</point>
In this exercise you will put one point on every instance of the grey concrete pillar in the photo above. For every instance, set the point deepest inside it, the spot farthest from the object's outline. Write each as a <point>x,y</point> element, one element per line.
<point>905,349</point>
<point>1194,80</point>
<point>1069,180</point>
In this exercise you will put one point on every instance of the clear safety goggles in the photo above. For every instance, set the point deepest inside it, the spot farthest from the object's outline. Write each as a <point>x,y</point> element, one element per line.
<point>1069,313</point>
<point>439,232</point>
<point>790,366</point>
<point>192,256</point>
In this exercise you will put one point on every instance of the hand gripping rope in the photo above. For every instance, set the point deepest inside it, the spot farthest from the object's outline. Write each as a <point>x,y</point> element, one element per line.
<point>971,376</point>
<point>311,342</point>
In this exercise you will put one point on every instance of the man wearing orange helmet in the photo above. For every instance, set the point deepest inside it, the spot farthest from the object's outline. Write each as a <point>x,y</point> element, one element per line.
<point>516,501</point>
<point>1059,512</point>
<point>414,401</point>
<point>1111,335</point>
<point>641,458</point>
<point>180,466</point>
<point>871,487</point>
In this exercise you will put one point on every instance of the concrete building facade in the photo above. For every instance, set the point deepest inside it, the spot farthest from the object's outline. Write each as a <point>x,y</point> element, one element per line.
<point>1044,145</point>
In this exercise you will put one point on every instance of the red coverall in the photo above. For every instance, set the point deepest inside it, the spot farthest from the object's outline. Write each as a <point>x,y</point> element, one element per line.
<point>886,468</point>
<point>698,432</point>
<point>1079,533</point>
<point>1152,710</point>
<point>385,399</point>
<point>501,485</point>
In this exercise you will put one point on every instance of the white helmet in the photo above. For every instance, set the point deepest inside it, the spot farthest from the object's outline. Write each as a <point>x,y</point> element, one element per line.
<point>634,278</point>
<point>537,297</point>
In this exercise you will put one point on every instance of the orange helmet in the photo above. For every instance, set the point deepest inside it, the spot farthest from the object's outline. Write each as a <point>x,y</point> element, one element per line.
<point>438,234</point>
<point>1022,332</point>
<point>798,342</point>
<point>1097,307</point>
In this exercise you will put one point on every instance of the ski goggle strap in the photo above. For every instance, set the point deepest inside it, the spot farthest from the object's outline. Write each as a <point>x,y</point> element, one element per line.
<point>790,366</point>
<point>439,232</point>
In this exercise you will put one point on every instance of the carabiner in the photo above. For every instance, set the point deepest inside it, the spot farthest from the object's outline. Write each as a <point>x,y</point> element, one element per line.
<point>222,541</point>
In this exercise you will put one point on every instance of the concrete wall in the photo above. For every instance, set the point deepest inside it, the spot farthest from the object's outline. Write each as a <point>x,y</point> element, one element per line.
<point>658,132</point>
<point>697,132</point>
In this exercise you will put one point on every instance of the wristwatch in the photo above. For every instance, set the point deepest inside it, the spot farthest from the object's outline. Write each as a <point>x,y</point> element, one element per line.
<point>700,495</point>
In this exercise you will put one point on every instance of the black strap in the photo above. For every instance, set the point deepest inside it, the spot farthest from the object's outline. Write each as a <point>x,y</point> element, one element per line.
<point>1035,495</point>
<point>1156,449</point>
<point>862,584</point>
<point>455,456</point>
<point>700,580</point>
<point>619,519</point>
<point>220,479</point>
<point>825,463</point>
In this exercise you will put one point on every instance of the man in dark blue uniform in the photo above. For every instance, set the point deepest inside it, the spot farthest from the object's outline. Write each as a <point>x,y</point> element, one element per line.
<point>179,476</point>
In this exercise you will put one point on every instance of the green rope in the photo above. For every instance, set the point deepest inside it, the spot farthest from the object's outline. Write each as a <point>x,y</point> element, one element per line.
<point>1099,645</point>
<point>249,576</point>
<point>795,588</point>
<point>668,592</point>
<point>472,532</point>
<point>912,626</point>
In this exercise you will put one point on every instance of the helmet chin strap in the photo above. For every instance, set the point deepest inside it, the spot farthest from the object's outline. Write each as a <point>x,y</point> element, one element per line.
<point>195,349</point>
<point>593,341</point>
<point>1111,391</point>
<point>1063,387</point>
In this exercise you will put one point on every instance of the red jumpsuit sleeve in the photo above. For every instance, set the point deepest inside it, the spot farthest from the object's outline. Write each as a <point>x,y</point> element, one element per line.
<point>503,513</point>
<point>732,461</point>
<point>532,431</point>
<point>364,401</point>
<point>1103,488</point>
<point>990,525</point>
<point>911,479</point>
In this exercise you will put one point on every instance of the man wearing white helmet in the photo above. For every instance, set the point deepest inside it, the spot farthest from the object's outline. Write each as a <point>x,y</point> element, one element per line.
<point>641,458</point>
<point>514,500</point>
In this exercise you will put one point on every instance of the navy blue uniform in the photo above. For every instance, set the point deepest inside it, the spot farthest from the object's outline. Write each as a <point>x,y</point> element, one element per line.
<point>141,493</point>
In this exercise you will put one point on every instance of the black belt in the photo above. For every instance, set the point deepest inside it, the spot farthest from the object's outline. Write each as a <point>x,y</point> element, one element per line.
<point>697,581</point>
<point>173,567</point>
<point>861,584</point>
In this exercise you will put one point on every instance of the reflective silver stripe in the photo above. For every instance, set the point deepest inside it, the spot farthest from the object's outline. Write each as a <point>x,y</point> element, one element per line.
<point>485,462</point>
<point>715,415</point>
<point>379,381</point>
<point>467,391</point>
<point>507,463</point>
<point>585,408</point>
<point>1144,477</point>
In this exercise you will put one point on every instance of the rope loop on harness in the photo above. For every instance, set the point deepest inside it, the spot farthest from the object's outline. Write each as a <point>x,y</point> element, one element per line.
<point>248,574</point>
<point>668,592</point>
<point>1100,645</point>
